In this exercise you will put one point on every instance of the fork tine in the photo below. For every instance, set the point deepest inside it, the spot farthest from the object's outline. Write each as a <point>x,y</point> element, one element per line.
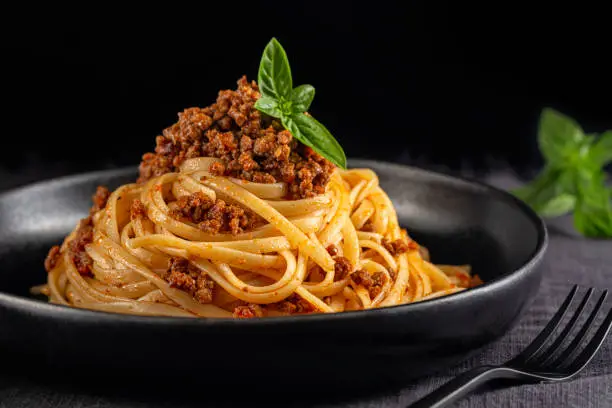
<point>591,349</point>
<point>570,352</point>
<point>547,331</point>
<point>551,350</point>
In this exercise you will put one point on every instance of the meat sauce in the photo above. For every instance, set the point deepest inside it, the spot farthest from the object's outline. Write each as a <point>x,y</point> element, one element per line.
<point>251,145</point>
<point>83,236</point>
<point>215,216</point>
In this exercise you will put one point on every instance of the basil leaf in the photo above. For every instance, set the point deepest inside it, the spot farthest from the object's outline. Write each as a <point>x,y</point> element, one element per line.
<point>593,213</point>
<point>567,181</point>
<point>312,133</point>
<point>274,78</point>
<point>559,205</point>
<point>302,97</point>
<point>600,153</point>
<point>547,194</point>
<point>573,178</point>
<point>560,137</point>
<point>268,106</point>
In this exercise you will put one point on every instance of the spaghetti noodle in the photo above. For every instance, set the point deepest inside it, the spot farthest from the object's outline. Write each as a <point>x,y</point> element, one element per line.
<point>254,273</point>
<point>231,216</point>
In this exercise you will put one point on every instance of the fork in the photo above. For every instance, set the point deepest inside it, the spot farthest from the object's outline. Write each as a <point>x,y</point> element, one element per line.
<point>538,362</point>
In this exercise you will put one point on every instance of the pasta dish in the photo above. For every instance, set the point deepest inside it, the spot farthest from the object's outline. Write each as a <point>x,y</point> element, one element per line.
<point>232,215</point>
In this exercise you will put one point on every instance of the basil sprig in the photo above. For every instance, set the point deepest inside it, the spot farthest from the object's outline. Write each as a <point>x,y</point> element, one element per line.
<point>573,178</point>
<point>280,100</point>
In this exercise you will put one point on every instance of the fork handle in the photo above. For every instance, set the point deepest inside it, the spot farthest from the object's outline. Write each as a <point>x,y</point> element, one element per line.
<point>461,385</point>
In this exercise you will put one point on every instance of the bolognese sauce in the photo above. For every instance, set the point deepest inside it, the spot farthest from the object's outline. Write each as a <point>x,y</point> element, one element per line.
<point>225,170</point>
<point>251,145</point>
<point>83,236</point>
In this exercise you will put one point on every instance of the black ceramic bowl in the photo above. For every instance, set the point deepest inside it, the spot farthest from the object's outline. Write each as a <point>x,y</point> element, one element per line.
<point>461,222</point>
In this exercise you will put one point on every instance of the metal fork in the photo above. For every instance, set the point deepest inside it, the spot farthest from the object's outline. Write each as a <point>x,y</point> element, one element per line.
<point>538,362</point>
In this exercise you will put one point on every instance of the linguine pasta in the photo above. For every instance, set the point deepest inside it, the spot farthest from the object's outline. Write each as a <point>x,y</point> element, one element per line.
<point>288,257</point>
<point>245,209</point>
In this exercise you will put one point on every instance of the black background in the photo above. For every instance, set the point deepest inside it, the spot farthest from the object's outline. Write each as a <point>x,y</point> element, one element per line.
<point>428,83</point>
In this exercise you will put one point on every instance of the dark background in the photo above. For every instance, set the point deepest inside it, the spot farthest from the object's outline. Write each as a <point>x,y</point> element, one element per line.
<point>433,84</point>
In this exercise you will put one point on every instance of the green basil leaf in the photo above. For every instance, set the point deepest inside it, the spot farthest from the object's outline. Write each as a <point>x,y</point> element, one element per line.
<point>567,182</point>
<point>559,205</point>
<point>573,178</point>
<point>268,106</point>
<point>600,153</point>
<point>593,212</point>
<point>274,77</point>
<point>560,138</point>
<point>547,195</point>
<point>312,133</point>
<point>302,97</point>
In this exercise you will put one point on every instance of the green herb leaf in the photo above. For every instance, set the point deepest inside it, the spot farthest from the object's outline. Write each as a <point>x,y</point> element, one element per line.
<point>312,133</point>
<point>560,137</point>
<point>547,194</point>
<point>573,178</point>
<point>600,153</point>
<point>302,97</point>
<point>274,77</point>
<point>279,100</point>
<point>269,106</point>
<point>567,181</point>
<point>559,205</point>
<point>593,213</point>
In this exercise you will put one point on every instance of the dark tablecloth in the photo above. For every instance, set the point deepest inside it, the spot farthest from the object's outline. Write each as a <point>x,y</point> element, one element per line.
<point>570,259</point>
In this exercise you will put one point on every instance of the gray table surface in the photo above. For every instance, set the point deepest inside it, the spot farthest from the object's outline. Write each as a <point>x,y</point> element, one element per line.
<point>570,259</point>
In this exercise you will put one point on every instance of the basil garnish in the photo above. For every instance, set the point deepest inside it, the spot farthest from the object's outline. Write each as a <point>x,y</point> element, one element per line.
<point>280,100</point>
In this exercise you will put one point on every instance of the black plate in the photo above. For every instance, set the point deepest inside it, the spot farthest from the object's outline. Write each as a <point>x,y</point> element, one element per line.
<point>459,221</point>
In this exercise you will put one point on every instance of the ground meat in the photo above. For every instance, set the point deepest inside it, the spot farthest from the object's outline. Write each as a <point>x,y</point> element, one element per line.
<point>399,246</point>
<point>137,210</point>
<point>182,281</point>
<point>332,250</point>
<point>475,281</point>
<point>293,304</point>
<point>251,145</point>
<point>52,258</point>
<point>372,282</point>
<point>217,169</point>
<point>316,273</point>
<point>99,199</point>
<point>181,274</point>
<point>215,216</point>
<point>261,177</point>
<point>342,267</point>
<point>362,277</point>
<point>193,207</point>
<point>248,311</point>
<point>76,247</point>
<point>378,281</point>
<point>204,288</point>
<point>84,235</point>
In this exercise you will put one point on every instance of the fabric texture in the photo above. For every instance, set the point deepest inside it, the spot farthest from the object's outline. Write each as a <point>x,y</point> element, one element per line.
<point>570,260</point>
